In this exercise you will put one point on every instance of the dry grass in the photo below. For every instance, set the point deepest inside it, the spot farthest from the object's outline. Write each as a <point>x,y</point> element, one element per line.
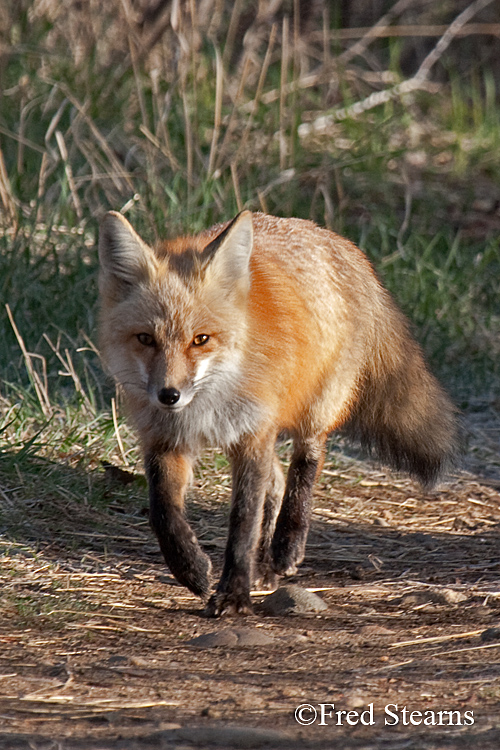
<point>173,105</point>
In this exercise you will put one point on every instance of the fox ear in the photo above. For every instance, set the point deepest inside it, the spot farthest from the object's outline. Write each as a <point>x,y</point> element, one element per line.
<point>227,257</point>
<point>125,259</point>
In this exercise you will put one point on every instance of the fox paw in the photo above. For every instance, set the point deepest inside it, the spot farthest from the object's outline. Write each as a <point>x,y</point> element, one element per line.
<point>287,556</point>
<point>229,603</point>
<point>286,570</point>
<point>193,572</point>
<point>267,578</point>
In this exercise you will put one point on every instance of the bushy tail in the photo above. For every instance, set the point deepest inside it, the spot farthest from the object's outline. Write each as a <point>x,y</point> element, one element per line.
<point>402,414</point>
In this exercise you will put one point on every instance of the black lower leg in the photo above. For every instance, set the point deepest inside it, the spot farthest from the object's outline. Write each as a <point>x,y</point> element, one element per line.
<point>251,471</point>
<point>266,576</point>
<point>168,475</point>
<point>292,526</point>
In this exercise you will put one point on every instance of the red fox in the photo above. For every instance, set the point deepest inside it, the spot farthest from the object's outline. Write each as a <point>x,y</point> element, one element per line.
<point>255,328</point>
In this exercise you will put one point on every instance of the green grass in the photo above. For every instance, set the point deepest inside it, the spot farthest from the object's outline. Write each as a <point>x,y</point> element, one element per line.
<point>85,126</point>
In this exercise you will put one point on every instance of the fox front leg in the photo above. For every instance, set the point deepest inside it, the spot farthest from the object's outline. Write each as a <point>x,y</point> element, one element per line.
<point>251,475</point>
<point>168,476</point>
<point>266,576</point>
<point>292,526</point>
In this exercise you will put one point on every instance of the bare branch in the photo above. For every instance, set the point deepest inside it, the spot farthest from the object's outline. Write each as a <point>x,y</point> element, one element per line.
<point>419,80</point>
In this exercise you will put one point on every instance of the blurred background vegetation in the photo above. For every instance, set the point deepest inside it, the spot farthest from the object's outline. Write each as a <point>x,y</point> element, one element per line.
<point>377,119</point>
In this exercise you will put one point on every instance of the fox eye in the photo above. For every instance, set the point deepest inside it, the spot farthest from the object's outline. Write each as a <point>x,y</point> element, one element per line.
<point>146,339</point>
<point>200,339</point>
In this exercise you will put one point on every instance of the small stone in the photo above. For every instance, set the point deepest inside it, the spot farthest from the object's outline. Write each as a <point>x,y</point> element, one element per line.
<point>355,700</point>
<point>415,599</point>
<point>231,637</point>
<point>294,638</point>
<point>139,661</point>
<point>252,637</point>
<point>450,596</point>
<point>291,600</point>
<point>211,713</point>
<point>433,596</point>
<point>491,634</point>
<point>216,638</point>
<point>118,659</point>
<point>370,630</point>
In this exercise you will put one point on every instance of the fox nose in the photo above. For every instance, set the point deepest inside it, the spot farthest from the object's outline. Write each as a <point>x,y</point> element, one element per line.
<point>168,396</point>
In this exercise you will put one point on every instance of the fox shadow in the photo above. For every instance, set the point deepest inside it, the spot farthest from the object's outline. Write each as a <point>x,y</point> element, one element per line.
<point>69,514</point>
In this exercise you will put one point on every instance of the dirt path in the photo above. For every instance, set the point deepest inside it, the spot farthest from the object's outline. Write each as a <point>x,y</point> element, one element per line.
<point>94,633</point>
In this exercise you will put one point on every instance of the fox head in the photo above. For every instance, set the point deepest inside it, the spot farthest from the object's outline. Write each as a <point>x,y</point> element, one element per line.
<point>172,319</point>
